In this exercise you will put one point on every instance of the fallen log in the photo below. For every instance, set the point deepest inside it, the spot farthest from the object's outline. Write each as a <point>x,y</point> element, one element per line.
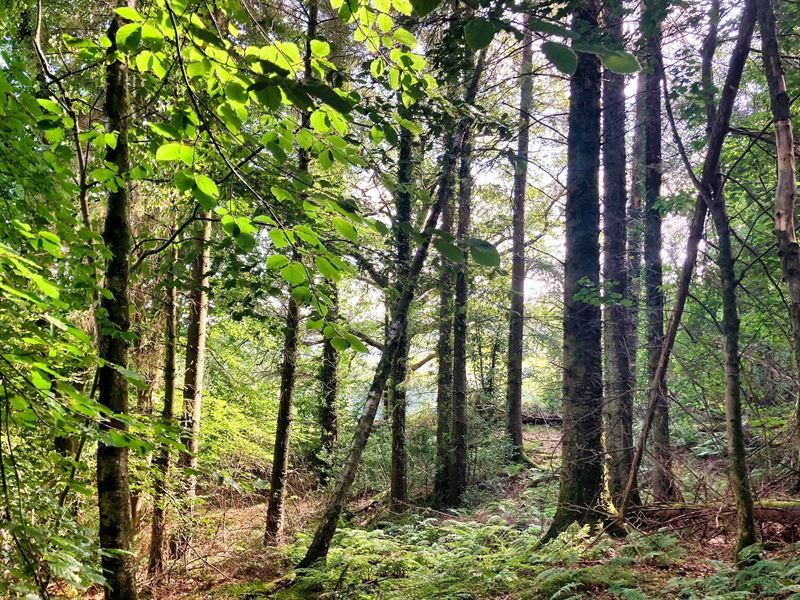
<point>535,417</point>
<point>766,511</point>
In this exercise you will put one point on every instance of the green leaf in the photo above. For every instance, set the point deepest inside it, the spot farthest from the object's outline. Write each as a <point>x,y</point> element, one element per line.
<point>293,273</point>
<point>175,151</point>
<point>450,251</point>
<point>277,261</point>
<point>479,33</point>
<point>129,36</point>
<point>39,380</point>
<point>206,191</point>
<point>236,92</point>
<point>279,238</point>
<point>345,229</point>
<point>340,344</point>
<point>621,62</point>
<point>320,48</point>
<point>405,37</point>
<point>563,57</point>
<point>425,7</point>
<point>484,253</point>
<point>327,269</point>
<point>128,13</point>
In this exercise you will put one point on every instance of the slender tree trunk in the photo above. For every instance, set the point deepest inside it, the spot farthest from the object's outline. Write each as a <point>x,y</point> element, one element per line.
<point>618,404</point>
<point>280,458</point>
<point>786,188</point>
<point>324,534</point>
<point>155,564</point>
<point>193,373</point>
<point>581,484</point>
<point>399,372</point>
<point>663,483</point>
<point>444,354</point>
<point>719,129</point>
<point>516,313</point>
<point>328,420</point>
<point>738,473</point>
<point>458,464</point>
<point>116,530</point>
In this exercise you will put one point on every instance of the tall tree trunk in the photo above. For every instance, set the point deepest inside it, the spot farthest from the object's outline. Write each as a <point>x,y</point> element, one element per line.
<point>786,188</point>
<point>516,314</point>
<point>663,483</point>
<point>458,464</point>
<point>618,404</point>
<point>328,420</point>
<point>155,564</point>
<point>581,484</point>
<point>705,185</point>
<point>113,494</point>
<point>444,352</point>
<point>738,473</point>
<point>194,369</point>
<point>399,372</point>
<point>280,457</point>
<point>324,534</point>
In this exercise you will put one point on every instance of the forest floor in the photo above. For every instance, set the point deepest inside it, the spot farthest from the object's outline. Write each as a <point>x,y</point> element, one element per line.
<point>489,550</point>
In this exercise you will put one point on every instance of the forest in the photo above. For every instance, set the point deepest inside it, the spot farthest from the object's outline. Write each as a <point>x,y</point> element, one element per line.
<point>399,299</point>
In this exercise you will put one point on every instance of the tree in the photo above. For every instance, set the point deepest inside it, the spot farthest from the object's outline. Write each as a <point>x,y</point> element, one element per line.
<point>155,564</point>
<point>280,460</point>
<point>618,404</point>
<point>786,188</point>
<point>399,373</point>
<point>113,494</point>
<point>516,315</point>
<point>581,485</point>
<point>662,479</point>
<point>458,461</point>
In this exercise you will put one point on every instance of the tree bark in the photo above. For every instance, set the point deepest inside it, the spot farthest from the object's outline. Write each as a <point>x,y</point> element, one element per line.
<point>324,534</point>
<point>399,372</point>
<point>516,314</point>
<point>719,129</point>
<point>328,418</point>
<point>458,464</point>
<point>193,374</point>
<point>280,457</point>
<point>581,485</point>
<point>113,493</point>
<point>663,482</point>
<point>155,564</point>
<point>618,403</point>
<point>786,188</point>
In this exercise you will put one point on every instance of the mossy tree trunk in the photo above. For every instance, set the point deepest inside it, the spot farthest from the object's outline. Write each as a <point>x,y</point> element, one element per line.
<point>458,464</point>
<point>398,491</point>
<point>113,493</point>
<point>516,314</point>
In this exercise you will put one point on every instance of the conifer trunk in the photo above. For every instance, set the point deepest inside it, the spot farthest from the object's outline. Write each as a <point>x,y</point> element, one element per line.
<point>399,373</point>
<point>155,564</point>
<point>458,465</point>
<point>786,188</point>
<point>618,404</point>
<point>581,483</point>
<point>113,493</point>
<point>662,481</point>
<point>516,318</point>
